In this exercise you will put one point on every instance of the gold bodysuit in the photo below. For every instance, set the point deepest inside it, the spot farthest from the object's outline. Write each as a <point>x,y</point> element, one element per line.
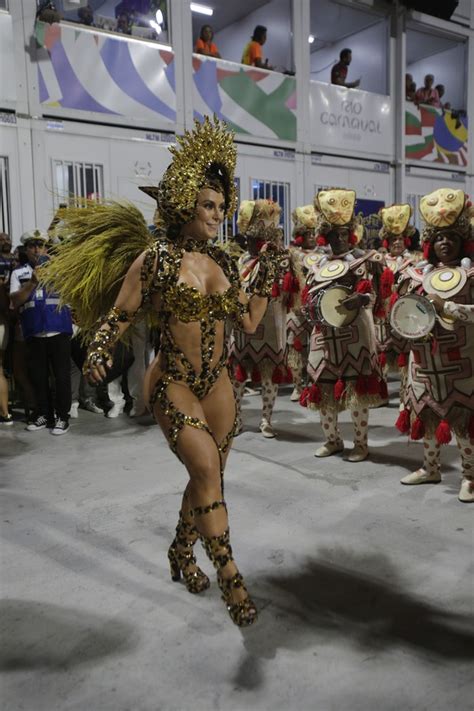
<point>186,304</point>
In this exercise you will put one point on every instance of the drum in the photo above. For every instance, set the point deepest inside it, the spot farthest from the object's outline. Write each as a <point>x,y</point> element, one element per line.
<point>413,316</point>
<point>327,307</point>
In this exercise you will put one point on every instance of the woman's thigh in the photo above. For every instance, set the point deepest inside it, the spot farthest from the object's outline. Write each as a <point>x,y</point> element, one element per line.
<point>219,410</point>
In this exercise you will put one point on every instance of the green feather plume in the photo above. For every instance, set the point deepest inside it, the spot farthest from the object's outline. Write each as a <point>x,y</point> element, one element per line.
<point>100,241</point>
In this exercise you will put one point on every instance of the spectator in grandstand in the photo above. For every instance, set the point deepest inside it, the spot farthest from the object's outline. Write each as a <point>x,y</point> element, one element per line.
<point>428,94</point>
<point>205,45</point>
<point>410,88</point>
<point>441,90</point>
<point>340,70</point>
<point>252,54</point>
<point>86,16</point>
<point>124,24</point>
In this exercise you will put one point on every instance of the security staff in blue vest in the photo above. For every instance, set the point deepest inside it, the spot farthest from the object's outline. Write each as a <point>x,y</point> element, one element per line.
<point>47,331</point>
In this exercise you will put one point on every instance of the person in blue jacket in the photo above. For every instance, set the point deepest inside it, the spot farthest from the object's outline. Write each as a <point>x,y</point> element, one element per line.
<point>47,331</point>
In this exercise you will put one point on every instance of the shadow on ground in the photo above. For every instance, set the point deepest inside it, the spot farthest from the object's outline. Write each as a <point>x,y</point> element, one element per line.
<point>38,635</point>
<point>359,601</point>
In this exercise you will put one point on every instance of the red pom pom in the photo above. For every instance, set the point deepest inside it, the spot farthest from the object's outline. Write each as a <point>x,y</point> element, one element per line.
<point>385,244</point>
<point>471,427</point>
<point>468,204</point>
<point>256,376</point>
<point>353,238</point>
<point>277,376</point>
<point>364,286</point>
<point>304,397</point>
<point>240,374</point>
<point>361,385</point>
<point>407,242</point>
<point>394,297</point>
<point>321,241</point>
<point>443,433</point>
<point>383,359</point>
<point>305,295</point>
<point>380,312</point>
<point>426,250</point>
<point>314,394</point>
<point>403,422</point>
<point>373,385</point>
<point>287,282</point>
<point>297,345</point>
<point>275,290</point>
<point>402,360</point>
<point>417,429</point>
<point>387,281</point>
<point>383,390</point>
<point>339,389</point>
<point>298,241</point>
<point>288,376</point>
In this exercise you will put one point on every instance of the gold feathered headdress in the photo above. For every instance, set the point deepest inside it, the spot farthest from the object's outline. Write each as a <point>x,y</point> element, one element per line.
<point>203,157</point>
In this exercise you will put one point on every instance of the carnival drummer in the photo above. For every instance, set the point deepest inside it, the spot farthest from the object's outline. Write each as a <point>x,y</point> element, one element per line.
<point>439,395</point>
<point>343,363</point>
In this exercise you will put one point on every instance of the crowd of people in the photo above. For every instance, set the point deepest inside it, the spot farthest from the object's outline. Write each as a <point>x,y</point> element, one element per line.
<point>327,314</point>
<point>427,94</point>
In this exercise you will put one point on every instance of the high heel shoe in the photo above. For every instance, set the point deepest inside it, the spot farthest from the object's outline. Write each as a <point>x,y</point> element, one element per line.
<point>242,612</point>
<point>181,558</point>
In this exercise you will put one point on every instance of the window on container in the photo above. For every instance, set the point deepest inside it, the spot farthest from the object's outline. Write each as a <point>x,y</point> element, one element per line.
<point>4,5</point>
<point>73,180</point>
<point>5,219</point>
<point>145,19</point>
<point>278,192</point>
<point>229,227</point>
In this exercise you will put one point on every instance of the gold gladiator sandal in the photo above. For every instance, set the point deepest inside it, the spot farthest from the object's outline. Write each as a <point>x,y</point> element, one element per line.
<point>182,558</point>
<point>244,612</point>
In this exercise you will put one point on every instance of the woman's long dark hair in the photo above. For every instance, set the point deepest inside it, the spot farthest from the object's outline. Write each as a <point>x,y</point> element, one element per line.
<point>202,32</point>
<point>258,33</point>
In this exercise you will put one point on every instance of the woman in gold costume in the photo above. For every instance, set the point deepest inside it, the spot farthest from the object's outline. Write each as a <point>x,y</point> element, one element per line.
<point>192,286</point>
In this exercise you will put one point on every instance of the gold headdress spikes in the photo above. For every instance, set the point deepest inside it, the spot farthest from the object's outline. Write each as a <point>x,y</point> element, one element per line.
<point>207,150</point>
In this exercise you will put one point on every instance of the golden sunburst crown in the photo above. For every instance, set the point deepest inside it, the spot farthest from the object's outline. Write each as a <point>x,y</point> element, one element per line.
<point>208,148</point>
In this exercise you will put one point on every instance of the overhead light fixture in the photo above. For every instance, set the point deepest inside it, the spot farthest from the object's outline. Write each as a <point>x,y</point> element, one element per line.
<point>201,9</point>
<point>311,39</point>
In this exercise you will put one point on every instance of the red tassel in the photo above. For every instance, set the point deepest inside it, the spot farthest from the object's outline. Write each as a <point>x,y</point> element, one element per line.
<point>305,295</point>
<point>297,345</point>
<point>353,239</point>
<point>383,359</point>
<point>385,244</point>
<point>321,241</point>
<point>364,286</point>
<point>290,300</point>
<point>295,285</point>
<point>393,299</point>
<point>314,394</point>
<point>277,376</point>
<point>361,385</point>
<point>417,429</point>
<point>298,241</point>
<point>443,432</point>
<point>339,389</point>
<point>403,422</point>
<point>407,242</point>
<point>383,390</point>
<point>468,246</point>
<point>402,360</point>
<point>380,312</point>
<point>256,375</point>
<point>287,282</point>
<point>240,374</point>
<point>426,250</point>
<point>304,397</point>
<point>387,281</point>
<point>471,427</point>
<point>373,385</point>
<point>288,376</point>
<point>275,290</point>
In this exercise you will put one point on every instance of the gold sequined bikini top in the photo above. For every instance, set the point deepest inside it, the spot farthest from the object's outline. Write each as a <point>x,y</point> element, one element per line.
<point>184,302</point>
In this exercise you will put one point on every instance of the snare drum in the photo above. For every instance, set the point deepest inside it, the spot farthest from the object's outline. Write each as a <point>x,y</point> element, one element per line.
<point>413,316</point>
<point>327,307</point>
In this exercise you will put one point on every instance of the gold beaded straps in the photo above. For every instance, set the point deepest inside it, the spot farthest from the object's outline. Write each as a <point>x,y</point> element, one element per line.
<point>262,283</point>
<point>101,348</point>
